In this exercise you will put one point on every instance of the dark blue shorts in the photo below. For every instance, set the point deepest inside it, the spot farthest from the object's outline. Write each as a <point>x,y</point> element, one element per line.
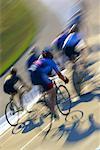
<point>70,52</point>
<point>9,90</point>
<point>39,78</point>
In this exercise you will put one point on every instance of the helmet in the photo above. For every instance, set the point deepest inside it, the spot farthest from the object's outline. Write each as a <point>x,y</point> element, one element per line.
<point>46,53</point>
<point>13,71</point>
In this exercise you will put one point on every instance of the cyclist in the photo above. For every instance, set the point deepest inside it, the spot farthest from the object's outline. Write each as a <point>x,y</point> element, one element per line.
<point>34,55</point>
<point>70,43</point>
<point>9,84</point>
<point>39,76</point>
<point>57,43</point>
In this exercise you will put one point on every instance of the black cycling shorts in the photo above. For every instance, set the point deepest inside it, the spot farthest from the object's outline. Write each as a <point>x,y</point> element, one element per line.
<point>70,52</point>
<point>9,90</point>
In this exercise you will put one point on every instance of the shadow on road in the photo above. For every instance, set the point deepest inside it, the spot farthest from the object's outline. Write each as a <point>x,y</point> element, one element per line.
<point>74,133</point>
<point>87,97</point>
<point>27,126</point>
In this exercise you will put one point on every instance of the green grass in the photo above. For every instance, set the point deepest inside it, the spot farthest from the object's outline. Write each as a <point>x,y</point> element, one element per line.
<point>17,29</point>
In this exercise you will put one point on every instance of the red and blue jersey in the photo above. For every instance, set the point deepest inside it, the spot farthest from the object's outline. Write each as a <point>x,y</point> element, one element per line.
<point>44,65</point>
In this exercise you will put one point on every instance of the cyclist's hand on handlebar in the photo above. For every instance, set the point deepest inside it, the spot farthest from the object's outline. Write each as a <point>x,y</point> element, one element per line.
<point>66,80</point>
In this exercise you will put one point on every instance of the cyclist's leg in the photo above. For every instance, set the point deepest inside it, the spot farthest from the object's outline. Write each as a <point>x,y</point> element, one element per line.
<point>19,94</point>
<point>42,79</point>
<point>16,95</point>
<point>15,92</point>
<point>49,88</point>
<point>52,97</point>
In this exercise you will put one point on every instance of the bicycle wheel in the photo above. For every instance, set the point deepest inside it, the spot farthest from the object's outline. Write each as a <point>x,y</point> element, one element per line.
<point>12,113</point>
<point>41,116</point>
<point>76,82</point>
<point>63,100</point>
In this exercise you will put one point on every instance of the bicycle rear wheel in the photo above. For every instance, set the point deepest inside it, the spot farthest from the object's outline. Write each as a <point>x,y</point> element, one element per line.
<point>76,83</point>
<point>12,113</point>
<point>42,117</point>
<point>63,100</point>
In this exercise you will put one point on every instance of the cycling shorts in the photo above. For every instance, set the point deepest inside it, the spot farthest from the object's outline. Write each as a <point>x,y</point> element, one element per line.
<point>9,90</point>
<point>70,52</point>
<point>39,78</point>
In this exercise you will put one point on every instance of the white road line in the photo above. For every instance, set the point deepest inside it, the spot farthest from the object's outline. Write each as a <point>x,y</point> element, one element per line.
<point>33,138</point>
<point>5,132</point>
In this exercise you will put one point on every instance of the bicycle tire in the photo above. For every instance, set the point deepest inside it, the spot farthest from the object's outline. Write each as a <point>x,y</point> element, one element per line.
<point>63,100</point>
<point>12,116</point>
<point>76,83</point>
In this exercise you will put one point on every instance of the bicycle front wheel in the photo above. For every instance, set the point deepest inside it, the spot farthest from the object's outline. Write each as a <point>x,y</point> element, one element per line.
<point>63,100</point>
<point>12,113</point>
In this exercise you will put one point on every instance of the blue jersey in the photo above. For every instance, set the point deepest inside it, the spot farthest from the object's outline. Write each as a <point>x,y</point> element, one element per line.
<point>44,65</point>
<point>72,40</point>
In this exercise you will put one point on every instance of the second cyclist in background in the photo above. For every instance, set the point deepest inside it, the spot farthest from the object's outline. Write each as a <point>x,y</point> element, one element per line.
<point>9,85</point>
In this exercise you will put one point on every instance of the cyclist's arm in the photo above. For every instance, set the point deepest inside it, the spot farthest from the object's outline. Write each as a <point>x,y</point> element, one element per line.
<point>57,70</point>
<point>65,79</point>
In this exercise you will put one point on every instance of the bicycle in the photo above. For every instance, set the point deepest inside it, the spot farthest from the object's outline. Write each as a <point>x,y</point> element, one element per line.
<point>42,114</point>
<point>12,111</point>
